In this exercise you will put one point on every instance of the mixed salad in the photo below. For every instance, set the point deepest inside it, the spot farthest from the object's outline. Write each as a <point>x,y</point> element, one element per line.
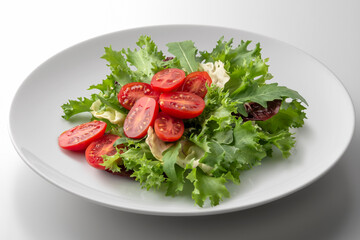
<point>197,118</point>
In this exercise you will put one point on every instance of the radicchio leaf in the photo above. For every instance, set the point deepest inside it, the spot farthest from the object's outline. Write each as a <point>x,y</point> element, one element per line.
<point>256,112</point>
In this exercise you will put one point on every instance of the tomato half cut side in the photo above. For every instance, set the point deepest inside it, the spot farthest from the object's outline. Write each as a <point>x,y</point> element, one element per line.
<point>79,137</point>
<point>131,92</point>
<point>183,105</point>
<point>100,147</point>
<point>196,83</point>
<point>168,128</point>
<point>168,80</point>
<point>141,116</point>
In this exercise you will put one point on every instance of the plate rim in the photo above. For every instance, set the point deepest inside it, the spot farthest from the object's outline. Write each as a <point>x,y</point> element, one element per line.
<point>195,212</point>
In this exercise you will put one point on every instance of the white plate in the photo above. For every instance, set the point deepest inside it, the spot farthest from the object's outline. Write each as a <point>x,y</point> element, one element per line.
<point>35,123</point>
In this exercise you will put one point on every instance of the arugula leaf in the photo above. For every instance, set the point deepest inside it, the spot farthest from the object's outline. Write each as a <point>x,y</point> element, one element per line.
<point>74,107</point>
<point>186,53</point>
<point>207,187</point>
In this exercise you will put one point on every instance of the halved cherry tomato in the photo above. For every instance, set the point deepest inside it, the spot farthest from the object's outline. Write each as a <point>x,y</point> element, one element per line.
<point>196,82</point>
<point>79,137</point>
<point>131,92</point>
<point>168,79</point>
<point>183,105</point>
<point>141,116</point>
<point>100,147</point>
<point>168,128</point>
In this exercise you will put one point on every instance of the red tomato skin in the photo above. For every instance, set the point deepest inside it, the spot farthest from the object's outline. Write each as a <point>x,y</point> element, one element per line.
<point>168,80</point>
<point>196,83</point>
<point>99,147</point>
<point>136,124</point>
<point>165,125</point>
<point>183,105</point>
<point>75,144</point>
<point>131,92</point>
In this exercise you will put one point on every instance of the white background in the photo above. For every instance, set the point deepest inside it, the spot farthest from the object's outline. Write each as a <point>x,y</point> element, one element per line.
<point>33,31</point>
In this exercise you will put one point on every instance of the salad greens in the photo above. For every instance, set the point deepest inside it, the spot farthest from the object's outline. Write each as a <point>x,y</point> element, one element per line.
<point>217,145</point>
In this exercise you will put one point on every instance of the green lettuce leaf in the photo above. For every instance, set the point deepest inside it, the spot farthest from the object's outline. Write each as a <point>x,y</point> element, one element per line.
<point>207,187</point>
<point>248,73</point>
<point>290,115</point>
<point>224,160</point>
<point>283,140</point>
<point>116,59</point>
<point>246,140</point>
<point>233,58</point>
<point>241,53</point>
<point>169,158</point>
<point>80,105</point>
<point>120,71</point>
<point>112,163</point>
<point>262,94</point>
<point>147,170</point>
<point>185,52</point>
<point>219,53</point>
<point>176,186</point>
<point>144,59</point>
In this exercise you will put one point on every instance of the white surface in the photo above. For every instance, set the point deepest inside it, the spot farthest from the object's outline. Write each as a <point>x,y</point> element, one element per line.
<point>74,69</point>
<point>33,31</point>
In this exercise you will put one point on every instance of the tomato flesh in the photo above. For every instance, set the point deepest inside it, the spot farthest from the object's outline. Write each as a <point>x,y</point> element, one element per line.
<point>168,128</point>
<point>100,147</point>
<point>141,116</point>
<point>196,83</point>
<point>131,92</point>
<point>79,137</point>
<point>183,105</point>
<point>168,80</point>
